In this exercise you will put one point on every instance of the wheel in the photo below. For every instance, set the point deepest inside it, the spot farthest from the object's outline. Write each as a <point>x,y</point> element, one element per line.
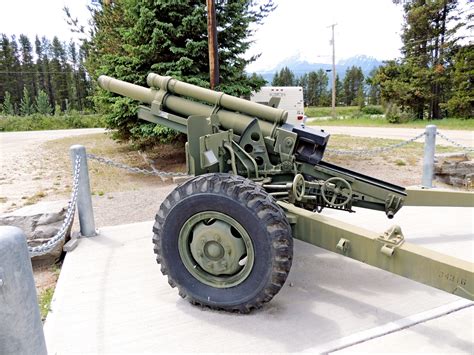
<point>298,187</point>
<point>334,188</point>
<point>224,242</point>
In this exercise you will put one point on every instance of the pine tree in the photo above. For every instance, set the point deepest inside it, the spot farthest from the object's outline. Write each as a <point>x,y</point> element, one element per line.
<point>374,88</point>
<point>42,104</point>
<point>26,106</point>
<point>340,99</point>
<point>303,82</point>
<point>284,78</point>
<point>60,73</point>
<point>461,103</point>
<point>353,85</point>
<point>429,38</point>
<point>27,65</point>
<point>7,106</point>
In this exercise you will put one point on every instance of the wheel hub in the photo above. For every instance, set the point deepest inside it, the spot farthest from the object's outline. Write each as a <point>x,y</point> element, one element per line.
<point>216,249</point>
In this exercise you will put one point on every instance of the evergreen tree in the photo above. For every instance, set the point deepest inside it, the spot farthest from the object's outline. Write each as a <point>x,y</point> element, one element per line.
<point>374,88</point>
<point>27,65</point>
<point>429,44</point>
<point>16,83</point>
<point>60,72</point>
<point>461,103</point>
<point>313,84</point>
<point>132,38</point>
<point>303,82</point>
<point>340,99</point>
<point>322,94</point>
<point>353,85</point>
<point>284,78</point>
<point>26,106</point>
<point>7,106</point>
<point>42,104</point>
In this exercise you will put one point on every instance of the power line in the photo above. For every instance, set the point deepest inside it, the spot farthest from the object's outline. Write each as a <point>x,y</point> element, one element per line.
<point>34,72</point>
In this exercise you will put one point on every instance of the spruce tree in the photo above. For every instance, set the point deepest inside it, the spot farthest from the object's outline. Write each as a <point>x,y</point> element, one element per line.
<point>7,106</point>
<point>42,104</point>
<point>26,106</point>
<point>132,38</point>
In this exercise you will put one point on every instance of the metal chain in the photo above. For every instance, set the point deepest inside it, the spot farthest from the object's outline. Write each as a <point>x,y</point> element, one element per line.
<point>115,164</point>
<point>61,234</point>
<point>456,144</point>
<point>375,150</point>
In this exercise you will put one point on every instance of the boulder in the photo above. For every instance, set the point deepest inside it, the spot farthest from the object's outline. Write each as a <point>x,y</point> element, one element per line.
<point>40,222</point>
<point>455,169</point>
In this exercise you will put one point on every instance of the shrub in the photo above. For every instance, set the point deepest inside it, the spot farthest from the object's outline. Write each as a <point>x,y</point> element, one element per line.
<point>372,110</point>
<point>396,115</point>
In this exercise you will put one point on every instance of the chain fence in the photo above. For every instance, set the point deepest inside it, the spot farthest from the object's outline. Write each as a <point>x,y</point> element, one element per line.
<point>456,144</point>
<point>375,151</point>
<point>61,234</point>
<point>154,172</point>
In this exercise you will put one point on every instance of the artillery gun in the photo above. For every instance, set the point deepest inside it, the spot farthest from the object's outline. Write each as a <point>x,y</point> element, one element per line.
<point>225,237</point>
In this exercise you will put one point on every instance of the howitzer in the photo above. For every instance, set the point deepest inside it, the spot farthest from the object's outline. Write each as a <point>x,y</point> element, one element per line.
<point>225,236</point>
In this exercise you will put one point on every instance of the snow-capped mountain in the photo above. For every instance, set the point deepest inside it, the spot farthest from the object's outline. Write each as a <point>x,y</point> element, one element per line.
<point>299,67</point>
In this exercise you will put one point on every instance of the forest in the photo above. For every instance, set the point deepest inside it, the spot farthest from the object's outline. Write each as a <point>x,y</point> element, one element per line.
<point>44,76</point>
<point>433,78</point>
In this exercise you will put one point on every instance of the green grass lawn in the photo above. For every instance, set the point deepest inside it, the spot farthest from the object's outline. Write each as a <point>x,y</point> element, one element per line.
<point>351,116</point>
<point>39,122</point>
<point>327,111</point>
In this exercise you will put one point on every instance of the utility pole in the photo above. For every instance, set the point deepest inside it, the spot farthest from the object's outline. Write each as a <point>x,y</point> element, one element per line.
<point>212,44</point>
<point>333,72</point>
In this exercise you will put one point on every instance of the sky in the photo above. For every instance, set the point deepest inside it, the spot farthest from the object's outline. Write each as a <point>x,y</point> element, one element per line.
<point>297,28</point>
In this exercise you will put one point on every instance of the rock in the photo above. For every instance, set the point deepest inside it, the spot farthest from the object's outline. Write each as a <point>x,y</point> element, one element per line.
<point>451,157</point>
<point>40,222</point>
<point>455,169</point>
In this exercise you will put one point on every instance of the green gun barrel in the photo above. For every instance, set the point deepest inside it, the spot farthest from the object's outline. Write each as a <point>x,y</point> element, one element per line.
<point>228,102</point>
<point>237,121</point>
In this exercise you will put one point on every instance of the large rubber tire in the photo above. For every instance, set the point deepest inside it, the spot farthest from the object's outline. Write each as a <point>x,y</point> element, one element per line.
<point>248,205</point>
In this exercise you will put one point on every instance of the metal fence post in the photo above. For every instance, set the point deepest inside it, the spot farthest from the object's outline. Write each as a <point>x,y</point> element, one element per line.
<point>428,159</point>
<point>84,201</point>
<point>21,329</point>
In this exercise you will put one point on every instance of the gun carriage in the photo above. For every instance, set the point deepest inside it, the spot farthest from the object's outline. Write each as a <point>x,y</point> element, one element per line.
<point>225,237</point>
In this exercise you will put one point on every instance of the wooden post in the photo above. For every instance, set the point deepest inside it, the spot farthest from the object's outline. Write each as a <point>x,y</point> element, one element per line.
<point>212,44</point>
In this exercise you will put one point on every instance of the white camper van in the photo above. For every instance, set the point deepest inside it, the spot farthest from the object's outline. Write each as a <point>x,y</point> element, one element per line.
<point>291,100</point>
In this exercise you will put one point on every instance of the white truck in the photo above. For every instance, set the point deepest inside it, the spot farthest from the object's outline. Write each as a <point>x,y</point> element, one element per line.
<point>290,99</point>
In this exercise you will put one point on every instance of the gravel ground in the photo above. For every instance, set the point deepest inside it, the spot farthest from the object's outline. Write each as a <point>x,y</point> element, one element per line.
<point>30,171</point>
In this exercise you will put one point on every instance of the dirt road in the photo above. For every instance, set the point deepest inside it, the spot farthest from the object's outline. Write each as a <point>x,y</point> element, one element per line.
<point>23,174</point>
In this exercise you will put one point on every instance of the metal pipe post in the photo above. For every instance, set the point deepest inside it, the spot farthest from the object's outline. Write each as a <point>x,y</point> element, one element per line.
<point>84,201</point>
<point>21,329</point>
<point>428,159</point>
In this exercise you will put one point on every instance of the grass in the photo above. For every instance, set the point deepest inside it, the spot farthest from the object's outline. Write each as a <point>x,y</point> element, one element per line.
<point>35,198</point>
<point>44,301</point>
<point>378,121</point>
<point>38,122</point>
<point>327,111</point>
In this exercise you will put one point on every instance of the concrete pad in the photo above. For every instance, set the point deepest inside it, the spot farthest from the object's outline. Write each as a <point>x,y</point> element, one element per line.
<point>112,298</point>
<point>450,334</point>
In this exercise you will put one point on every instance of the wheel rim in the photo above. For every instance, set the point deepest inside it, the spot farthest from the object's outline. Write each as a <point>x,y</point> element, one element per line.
<point>216,249</point>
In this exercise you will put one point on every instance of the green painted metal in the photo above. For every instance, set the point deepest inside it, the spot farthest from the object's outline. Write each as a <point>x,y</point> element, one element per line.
<point>386,251</point>
<point>228,134</point>
<point>216,249</point>
<point>417,196</point>
<point>228,102</point>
